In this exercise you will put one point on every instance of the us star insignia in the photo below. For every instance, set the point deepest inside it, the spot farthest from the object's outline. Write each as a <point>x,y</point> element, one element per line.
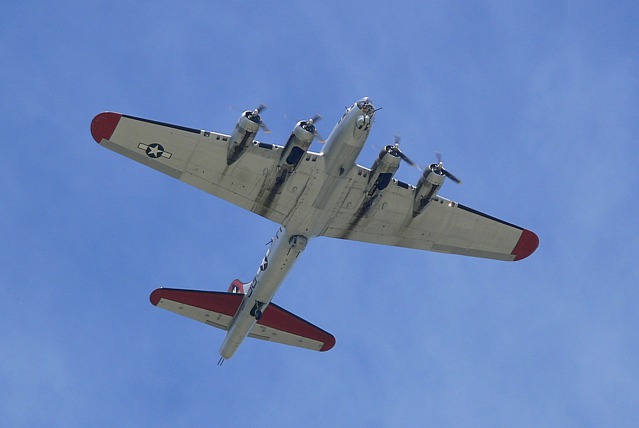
<point>154,150</point>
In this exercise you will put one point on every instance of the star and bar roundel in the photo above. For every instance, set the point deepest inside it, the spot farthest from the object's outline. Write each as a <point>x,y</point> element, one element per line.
<point>154,150</point>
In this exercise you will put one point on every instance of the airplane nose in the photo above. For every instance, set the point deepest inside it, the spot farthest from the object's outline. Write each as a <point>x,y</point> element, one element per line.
<point>363,121</point>
<point>366,106</point>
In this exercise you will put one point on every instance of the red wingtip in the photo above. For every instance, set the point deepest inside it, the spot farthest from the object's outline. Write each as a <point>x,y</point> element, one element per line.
<point>103,125</point>
<point>156,296</point>
<point>527,244</point>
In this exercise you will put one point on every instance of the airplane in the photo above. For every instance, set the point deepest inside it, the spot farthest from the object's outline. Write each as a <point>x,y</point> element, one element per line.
<point>310,194</point>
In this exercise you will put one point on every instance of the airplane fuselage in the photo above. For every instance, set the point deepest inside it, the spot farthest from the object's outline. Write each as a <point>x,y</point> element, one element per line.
<point>339,154</point>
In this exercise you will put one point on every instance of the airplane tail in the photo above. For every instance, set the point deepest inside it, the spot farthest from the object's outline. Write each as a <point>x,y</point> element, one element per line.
<point>218,309</point>
<point>237,286</point>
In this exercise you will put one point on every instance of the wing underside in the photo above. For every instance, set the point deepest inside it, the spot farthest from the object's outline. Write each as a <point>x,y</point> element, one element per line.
<point>198,158</point>
<point>444,226</point>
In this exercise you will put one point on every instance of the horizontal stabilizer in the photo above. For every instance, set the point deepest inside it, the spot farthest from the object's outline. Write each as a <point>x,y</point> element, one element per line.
<point>279,325</point>
<point>214,308</point>
<point>218,309</point>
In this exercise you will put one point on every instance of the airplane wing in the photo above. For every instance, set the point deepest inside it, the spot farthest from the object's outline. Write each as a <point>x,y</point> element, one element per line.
<point>218,309</point>
<point>196,157</point>
<point>444,226</point>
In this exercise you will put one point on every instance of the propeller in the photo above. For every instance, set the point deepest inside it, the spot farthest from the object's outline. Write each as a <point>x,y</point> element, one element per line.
<point>439,169</point>
<point>395,151</point>
<point>309,125</point>
<point>255,117</point>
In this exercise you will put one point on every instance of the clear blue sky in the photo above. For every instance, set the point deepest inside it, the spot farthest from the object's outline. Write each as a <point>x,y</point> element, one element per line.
<point>535,106</point>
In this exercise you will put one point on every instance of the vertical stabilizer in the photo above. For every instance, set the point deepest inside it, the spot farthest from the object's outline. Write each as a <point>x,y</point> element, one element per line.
<point>237,286</point>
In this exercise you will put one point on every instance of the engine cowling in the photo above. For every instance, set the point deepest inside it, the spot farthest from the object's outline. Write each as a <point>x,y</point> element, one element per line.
<point>382,172</point>
<point>427,187</point>
<point>295,148</point>
<point>245,130</point>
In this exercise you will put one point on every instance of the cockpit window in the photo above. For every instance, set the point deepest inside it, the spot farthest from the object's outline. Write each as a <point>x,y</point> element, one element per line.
<point>366,106</point>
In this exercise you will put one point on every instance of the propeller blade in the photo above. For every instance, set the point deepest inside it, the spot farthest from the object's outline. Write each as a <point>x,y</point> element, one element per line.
<point>442,170</point>
<point>256,113</point>
<point>264,127</point>
<point>452,177</point>
<point>401,154</point>
<point>310,125</point>
<point>407,159</point>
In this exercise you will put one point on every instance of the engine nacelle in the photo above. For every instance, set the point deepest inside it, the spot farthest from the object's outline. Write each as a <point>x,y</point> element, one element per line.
<point>427,188</point>
<point>295,149</point>
<point>247,126</point>
<point>382,171</point>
